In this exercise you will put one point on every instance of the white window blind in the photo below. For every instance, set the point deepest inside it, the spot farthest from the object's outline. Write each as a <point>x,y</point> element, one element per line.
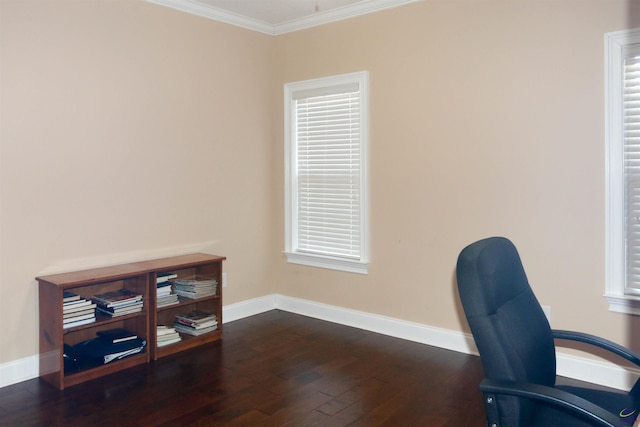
<point>326,172</point>
<point>631,141</point>
<point>622,132</point>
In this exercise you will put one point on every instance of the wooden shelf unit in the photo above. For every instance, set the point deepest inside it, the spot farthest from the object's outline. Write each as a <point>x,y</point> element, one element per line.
<point>139,277</point>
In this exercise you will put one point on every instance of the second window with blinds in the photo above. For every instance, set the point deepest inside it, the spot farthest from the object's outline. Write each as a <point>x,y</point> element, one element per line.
<point>623,170</point>
<point>326,194</point>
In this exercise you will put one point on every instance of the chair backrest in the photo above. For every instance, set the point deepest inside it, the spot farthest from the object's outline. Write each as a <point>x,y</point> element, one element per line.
<point>508,324</point>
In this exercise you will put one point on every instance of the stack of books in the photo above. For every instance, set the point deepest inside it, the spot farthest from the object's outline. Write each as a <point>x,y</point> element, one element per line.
<point>165,277</point>
<point>166,336</point>
<point>164,292</point>
<point>196,322</point>
<point>118,303</point>
<point>76,310</point>
<point>195,287</point>
<point>109,346</point>
<point>165,296</point>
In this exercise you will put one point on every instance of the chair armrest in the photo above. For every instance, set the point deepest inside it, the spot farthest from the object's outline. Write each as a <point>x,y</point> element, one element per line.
<point>556,397</point>
<point>598,342</point>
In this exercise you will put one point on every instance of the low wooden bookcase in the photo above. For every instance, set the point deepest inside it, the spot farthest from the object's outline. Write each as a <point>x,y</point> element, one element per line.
<point>140,278</point>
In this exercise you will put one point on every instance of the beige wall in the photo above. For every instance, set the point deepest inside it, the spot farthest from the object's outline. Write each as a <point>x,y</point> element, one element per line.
<point>486,119</point>
<point>129,128</point>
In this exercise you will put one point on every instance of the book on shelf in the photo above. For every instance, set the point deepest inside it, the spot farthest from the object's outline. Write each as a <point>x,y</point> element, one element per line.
<point>193,295</point>
<point>165,295</point>
<point>82,306</point>
<point>166,335</point>
<point>198,325</point>
<point>196,287</point>
<point>121,311</point>
<point>68,296</point>
<point>196,316</point>
<point>128,304</point>
<point>123,306</point>
<point>192,331</point>
<point>118,303</point>
<point>196,322</point>
<point>76,314</point>
<point>117,335</point>
<point>169,342</point>
<point>77,311</point>
<point>195,281</point>
<point>164,330</point>
<point>163,289</point>
<point>116,298</point>
<point>165,277</point>
<point>167,300</point>
<point>76,303</point>
<point>78,323</point>
<point>74,319</point>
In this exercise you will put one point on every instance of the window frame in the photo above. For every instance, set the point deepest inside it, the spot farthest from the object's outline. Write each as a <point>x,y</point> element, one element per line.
<point>293,255</point>
<point>616,45</point>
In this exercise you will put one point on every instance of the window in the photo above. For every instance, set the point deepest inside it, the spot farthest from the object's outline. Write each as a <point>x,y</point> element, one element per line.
<point>326,198</point>
<point>623,170</point>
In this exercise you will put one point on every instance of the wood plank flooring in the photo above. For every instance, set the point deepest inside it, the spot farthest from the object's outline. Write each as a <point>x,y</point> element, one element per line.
<point>272,369</point>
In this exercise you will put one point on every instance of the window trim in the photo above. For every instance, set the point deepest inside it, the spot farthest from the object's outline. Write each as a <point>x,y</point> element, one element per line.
<point>293,256</point>
<point>619,301</point>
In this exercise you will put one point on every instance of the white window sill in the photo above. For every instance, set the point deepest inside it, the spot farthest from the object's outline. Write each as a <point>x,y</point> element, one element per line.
<point>627,304</point>
<point>328,262</point>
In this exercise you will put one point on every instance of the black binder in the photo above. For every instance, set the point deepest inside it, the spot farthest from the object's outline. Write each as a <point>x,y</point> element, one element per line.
<point>102,350</point>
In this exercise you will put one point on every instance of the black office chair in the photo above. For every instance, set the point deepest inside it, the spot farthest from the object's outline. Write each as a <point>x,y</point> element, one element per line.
<point>517,350</point>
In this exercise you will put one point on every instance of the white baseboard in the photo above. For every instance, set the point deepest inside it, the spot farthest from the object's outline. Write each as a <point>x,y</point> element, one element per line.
<point>417,332</point>
<point>19,370</point>
<point>247,308</point>
<point>593,371</point>
<point>596,371</point>
<point>570,366</point>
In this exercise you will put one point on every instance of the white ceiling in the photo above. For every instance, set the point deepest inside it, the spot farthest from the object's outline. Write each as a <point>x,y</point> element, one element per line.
<point>277,11</point>
<point>280,16</point>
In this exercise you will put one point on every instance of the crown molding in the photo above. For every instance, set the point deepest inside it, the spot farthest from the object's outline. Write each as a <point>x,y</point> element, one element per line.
<point>339,14</point>
<point>197,8</point>
<point>364,7</point>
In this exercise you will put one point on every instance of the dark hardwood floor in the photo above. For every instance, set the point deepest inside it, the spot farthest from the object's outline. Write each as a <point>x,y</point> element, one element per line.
<point>273,369</point>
